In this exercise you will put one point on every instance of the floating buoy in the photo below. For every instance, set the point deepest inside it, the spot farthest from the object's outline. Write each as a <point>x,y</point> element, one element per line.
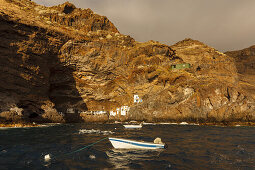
<point>47,157</point>
<point>92,156</point>
<point>158,141</point>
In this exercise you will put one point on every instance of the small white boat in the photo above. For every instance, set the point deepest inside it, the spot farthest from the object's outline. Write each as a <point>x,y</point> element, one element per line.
<point>120,143</point>
<point>183,123</point>
<point>132,126</point>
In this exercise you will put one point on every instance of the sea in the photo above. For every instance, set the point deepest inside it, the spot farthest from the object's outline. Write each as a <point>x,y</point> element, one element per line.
<point>86,146</point>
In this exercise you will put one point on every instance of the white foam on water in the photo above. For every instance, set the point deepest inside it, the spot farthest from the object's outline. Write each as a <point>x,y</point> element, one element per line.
<point>185,123</point>
<point>182,123</point>
<point>147,123</point>
<point>89,131</point>
<point>48,124</point>
<point>194,124</point>
<point>165,123</point>
<point>168,123</point>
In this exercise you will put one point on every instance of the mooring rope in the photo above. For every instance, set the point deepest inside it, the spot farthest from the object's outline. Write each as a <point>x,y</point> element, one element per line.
<point>47,157</point>
<point>86,146</point>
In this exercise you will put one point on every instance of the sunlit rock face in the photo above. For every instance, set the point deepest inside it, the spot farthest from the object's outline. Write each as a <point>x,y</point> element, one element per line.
<point>59,62</point>
<point>209,91</point>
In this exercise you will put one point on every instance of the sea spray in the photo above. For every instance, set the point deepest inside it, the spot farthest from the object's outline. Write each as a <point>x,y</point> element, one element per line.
<point>83,131</point>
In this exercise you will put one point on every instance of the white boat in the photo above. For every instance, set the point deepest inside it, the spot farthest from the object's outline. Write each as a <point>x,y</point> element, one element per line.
<point>183,123</point>
<point>120,143</point>
<point>132,126</point>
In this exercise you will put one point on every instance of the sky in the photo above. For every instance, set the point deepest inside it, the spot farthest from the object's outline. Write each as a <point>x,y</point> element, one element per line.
<point>223,24</point>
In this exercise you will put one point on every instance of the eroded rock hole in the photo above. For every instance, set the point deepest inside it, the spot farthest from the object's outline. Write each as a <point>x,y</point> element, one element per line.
<point>68,9</point>
<point>33,115</point>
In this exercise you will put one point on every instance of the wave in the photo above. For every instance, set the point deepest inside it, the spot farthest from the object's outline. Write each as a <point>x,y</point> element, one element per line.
<point>84,131</point>
<point>182,123</point>
<point>49,124</point>
<point>168,123</point>
<point>147,123</point>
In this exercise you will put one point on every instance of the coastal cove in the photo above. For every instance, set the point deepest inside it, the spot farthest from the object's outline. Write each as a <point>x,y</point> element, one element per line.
<point>64,64</point>
<point>78,93</point>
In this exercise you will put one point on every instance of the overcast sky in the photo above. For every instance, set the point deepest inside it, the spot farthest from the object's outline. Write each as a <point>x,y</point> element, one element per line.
<point>222,24</point>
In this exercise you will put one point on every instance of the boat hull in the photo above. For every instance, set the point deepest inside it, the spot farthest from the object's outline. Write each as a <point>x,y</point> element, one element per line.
<point>132,126</point>
<point>119,143</point>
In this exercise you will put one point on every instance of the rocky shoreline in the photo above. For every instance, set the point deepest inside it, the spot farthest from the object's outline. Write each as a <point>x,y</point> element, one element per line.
<point>15,125</point>
<point>222,124</point>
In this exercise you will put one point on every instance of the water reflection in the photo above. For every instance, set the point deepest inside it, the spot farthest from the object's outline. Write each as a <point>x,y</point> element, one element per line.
<point>122,158</point>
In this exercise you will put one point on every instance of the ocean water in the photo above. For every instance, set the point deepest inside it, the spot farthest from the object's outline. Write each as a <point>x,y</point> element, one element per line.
<point>189,147</point>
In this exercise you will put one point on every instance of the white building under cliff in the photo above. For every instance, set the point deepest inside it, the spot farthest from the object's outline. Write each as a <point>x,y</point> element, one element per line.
<point>124,110</point>
<point>70,110</point>
<point>137,99</point>
<point>113,113</point>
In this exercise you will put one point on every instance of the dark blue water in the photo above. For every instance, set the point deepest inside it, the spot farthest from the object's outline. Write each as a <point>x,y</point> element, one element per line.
<point>189,147</point>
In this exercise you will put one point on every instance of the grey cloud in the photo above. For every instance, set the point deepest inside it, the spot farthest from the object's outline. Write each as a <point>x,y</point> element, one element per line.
<point>222,24</point>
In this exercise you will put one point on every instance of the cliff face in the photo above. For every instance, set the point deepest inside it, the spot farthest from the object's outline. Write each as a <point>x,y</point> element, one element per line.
<point>209,91</point>
<point>246,60</point>
<point>245,63</point>
<point>55,58</point>
<point>31,71</point>
<point>28,53</point>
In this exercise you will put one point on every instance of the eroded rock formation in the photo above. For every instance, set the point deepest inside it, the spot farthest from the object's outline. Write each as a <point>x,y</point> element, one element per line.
<point>209,91</point>
<point>55,58</point>
<point>245,64</point>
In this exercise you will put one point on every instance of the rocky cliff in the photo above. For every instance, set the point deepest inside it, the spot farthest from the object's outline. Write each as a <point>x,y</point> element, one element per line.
<point>61,57</point>
<point>209,91</point>
<point>245,64</point>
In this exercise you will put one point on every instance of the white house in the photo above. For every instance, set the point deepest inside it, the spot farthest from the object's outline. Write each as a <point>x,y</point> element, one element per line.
<point>70,110</point>
<point>124,110</point>
<point>112,113</point>
<point>100,112</point>
<point>118,111</point>
<point>136,98</point>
